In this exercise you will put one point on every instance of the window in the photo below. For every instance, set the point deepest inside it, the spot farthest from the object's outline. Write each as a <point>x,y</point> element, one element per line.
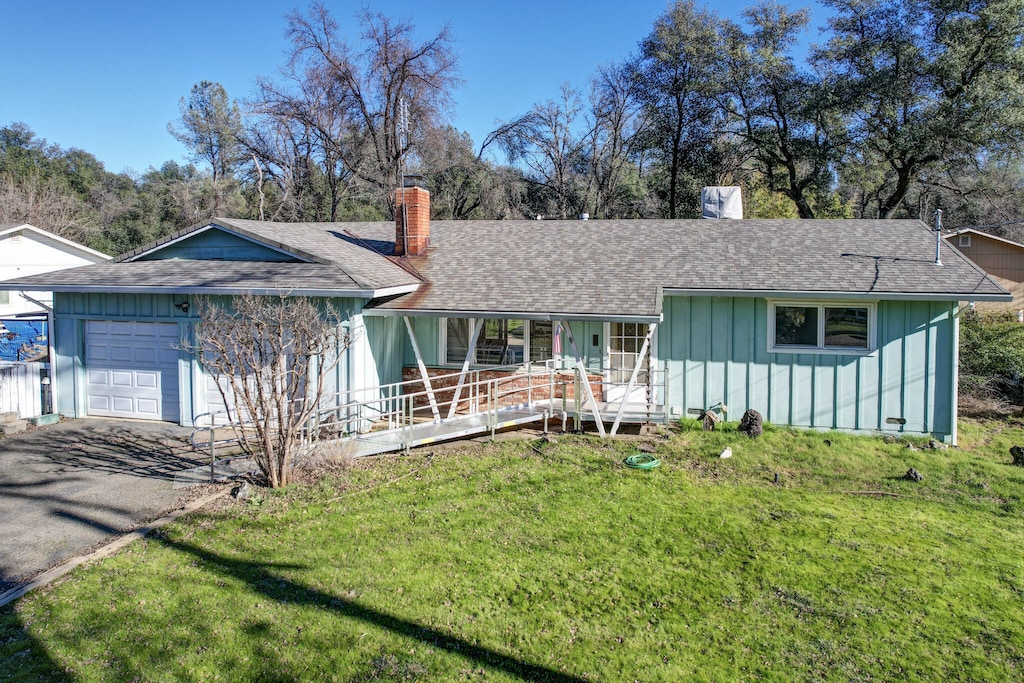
<point>964,241</point>
<point>821,327</point>
<point>501,342</point>
<point>5,297</point>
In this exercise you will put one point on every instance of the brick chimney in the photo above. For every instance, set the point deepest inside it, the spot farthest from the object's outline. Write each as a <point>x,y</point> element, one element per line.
<point>413,203</point>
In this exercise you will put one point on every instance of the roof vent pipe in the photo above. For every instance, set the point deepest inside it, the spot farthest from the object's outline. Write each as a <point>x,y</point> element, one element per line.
<point>938,235</point>
<point>721,202</point>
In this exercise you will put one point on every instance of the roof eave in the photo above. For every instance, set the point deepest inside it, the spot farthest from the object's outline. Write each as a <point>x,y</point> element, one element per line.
<point>553,316</point>
<point>56,238</point>
<point>219,291</point>
<point>870,296</point>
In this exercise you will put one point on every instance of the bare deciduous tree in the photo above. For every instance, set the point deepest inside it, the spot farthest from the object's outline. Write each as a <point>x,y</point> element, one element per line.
<point>548,143</point>
<point>44,204</point>
<point>270,356</point>
<point>615,135</point>
<point>342,100</point>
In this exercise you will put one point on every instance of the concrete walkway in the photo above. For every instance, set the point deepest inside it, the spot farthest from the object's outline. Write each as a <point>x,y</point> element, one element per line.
<point>71,486</point>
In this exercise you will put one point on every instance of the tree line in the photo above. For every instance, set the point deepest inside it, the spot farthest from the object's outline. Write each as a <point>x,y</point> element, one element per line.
<point>901,107</point>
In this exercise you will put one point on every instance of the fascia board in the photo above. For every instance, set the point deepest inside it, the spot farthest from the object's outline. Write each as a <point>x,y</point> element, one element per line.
<point>511,315</point>
<point>867,296</point>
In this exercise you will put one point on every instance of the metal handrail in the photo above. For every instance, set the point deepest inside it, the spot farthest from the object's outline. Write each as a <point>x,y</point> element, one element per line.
<point>395,403</point>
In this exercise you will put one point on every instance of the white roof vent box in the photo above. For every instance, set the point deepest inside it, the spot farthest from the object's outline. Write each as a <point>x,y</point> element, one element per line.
<point>721,202</point>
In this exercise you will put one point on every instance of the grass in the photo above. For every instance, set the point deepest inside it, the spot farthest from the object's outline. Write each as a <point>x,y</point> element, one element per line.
<point>523,560</point>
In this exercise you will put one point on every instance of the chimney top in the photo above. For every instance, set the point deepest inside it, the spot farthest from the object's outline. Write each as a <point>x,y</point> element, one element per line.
<point>721,202</point>
<point>412,220</point>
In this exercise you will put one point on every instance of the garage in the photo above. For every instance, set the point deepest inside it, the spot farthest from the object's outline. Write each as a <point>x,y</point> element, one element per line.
<point>131,369</point>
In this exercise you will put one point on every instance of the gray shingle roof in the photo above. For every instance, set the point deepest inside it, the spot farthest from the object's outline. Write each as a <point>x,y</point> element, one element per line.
<point>617,267</point>
<point>337,263</point>
<point>584,268</point>
<point>177,275</point>
<point>328,243</point>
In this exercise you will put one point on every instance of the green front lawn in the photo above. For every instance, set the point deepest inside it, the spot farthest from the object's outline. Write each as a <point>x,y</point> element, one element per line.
<point>524,560</point>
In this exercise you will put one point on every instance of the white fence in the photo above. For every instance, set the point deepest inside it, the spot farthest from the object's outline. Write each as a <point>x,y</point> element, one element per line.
<point>21,388</point>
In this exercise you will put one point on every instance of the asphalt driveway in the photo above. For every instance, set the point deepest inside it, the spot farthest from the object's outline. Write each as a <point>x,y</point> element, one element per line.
<point>70,486</point>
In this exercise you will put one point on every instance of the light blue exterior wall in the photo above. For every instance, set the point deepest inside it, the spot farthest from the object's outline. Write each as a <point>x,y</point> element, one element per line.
<point>217,245</point>
<point>386,337</point>
<point>428,337</point>
<point>374,355</point>
<point>715,350</point>
<point>585,333</point>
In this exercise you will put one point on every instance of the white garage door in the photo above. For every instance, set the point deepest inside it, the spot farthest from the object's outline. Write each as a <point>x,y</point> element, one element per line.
<point>132,369</point>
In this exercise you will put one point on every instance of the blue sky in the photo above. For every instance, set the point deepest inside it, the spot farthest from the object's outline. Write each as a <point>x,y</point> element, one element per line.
<point>106,76</point>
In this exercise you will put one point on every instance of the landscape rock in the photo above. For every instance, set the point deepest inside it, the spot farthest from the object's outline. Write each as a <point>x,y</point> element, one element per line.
<point>936,445</point>
<point>752,424</point>
<point>710,419</point>
<point>242,491</point>
<point>1018,456</point>
<point>913,475</point>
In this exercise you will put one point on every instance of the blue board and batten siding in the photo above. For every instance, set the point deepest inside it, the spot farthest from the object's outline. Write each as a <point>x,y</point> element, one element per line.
<point>217,245</point>
<point>715,350</point>
<point>373,357</point>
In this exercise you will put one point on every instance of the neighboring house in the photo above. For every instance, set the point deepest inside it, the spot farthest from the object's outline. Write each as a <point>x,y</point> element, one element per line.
<point>845,324</point>
<point>27,250</point>
<point>1002,259</point>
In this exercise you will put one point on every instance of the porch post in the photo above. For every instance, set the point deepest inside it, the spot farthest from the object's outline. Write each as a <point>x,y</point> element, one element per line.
<point>423,370</point>
<point>632,378</point>
<point>586,381</point>
<point>474,331</point>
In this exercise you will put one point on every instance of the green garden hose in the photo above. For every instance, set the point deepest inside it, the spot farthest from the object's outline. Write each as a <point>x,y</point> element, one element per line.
<point>642,461</point>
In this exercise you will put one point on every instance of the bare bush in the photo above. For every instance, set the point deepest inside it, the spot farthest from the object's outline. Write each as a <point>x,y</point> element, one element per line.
<point>270,355</point>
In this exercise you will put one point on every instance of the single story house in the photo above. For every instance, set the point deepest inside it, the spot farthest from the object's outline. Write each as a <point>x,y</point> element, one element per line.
<point>1001,258</point>
<point>835,324</point>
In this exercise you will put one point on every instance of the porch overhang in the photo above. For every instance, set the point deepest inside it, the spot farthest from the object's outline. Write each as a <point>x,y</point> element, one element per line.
<point>516,315</point>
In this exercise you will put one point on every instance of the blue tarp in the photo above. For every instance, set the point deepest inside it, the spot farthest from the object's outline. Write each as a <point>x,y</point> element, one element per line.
<point>23,340</point>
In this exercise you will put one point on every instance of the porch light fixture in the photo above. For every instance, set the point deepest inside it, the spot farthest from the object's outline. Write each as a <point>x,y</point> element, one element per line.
<point>183,306</point>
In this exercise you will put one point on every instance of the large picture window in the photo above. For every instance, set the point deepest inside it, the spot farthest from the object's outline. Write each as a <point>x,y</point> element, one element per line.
<point>501,342</point>
<point>799,326</point>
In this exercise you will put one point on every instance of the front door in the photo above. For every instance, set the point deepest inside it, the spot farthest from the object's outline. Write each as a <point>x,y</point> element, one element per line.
<point>625,341</point>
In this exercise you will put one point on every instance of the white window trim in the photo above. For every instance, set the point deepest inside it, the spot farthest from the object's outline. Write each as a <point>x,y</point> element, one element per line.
<point>964,241</point>
<point>820,349</point>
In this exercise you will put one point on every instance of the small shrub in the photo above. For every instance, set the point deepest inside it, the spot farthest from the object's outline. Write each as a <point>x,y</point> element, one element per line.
<point>991,361</point>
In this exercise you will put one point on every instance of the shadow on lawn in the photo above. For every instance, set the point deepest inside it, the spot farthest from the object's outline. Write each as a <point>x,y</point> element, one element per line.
<point>22,657</point>
<point>262,580</point>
